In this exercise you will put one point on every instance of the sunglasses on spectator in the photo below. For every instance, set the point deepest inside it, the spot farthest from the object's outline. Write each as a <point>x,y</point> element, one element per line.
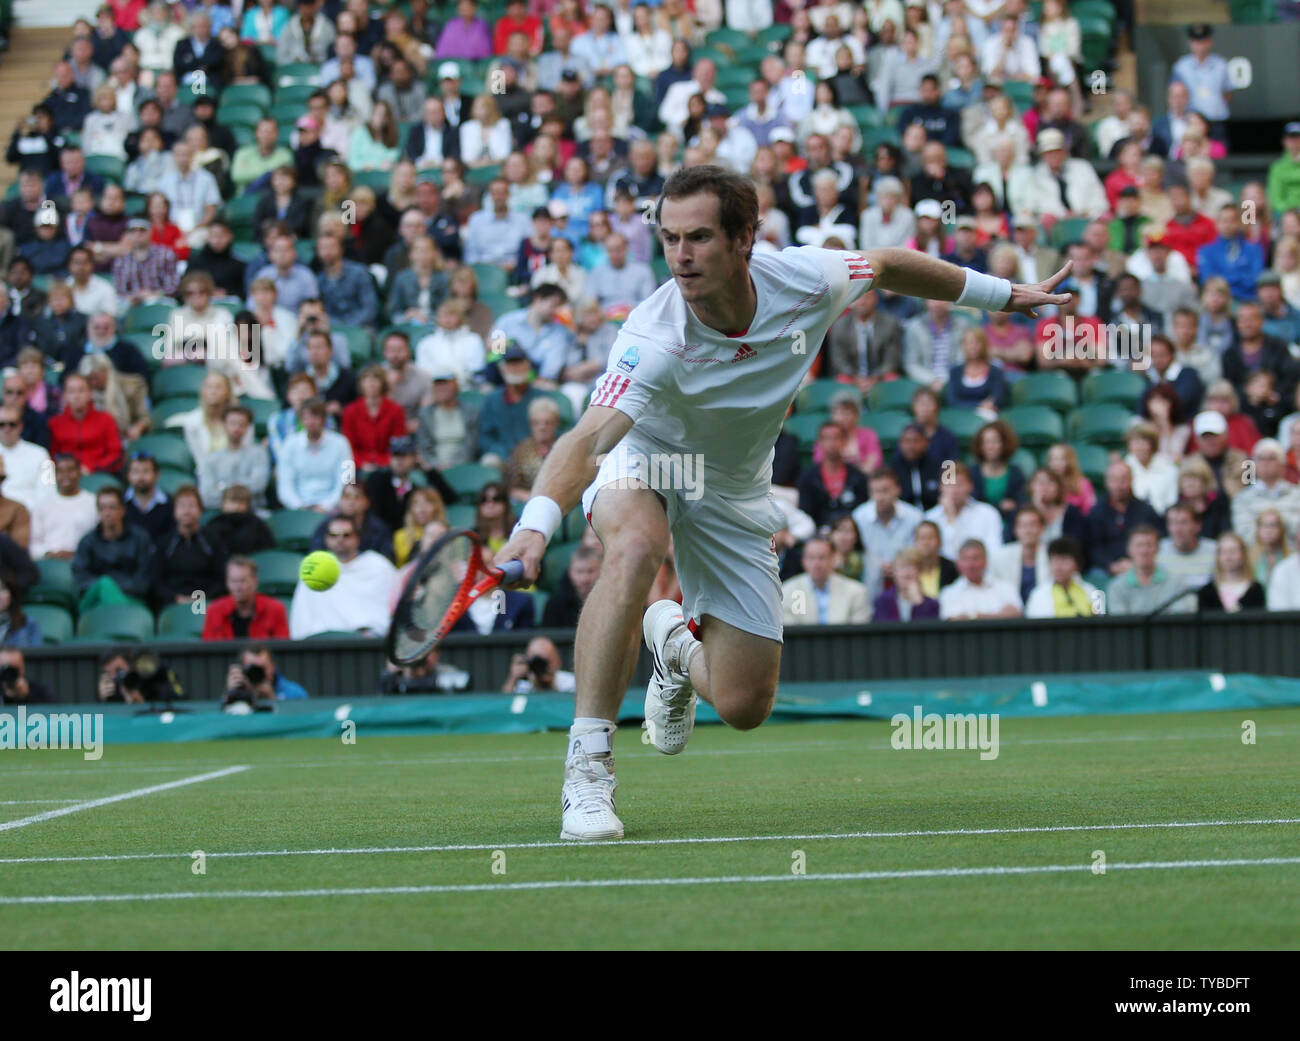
<point>142,455</point>
<point>493,498</point>
<point>340,534</point>
<point>5,425</point>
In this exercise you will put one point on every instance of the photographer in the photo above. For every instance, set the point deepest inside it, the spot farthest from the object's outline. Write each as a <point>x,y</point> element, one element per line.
<point>538,670</point>
<point>134,680</point>
<point>15,687</point>
<point>429,676</point>
<point>254,679</point>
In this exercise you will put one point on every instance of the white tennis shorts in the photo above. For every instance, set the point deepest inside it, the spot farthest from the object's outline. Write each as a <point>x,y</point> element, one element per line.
<point>725,547</point>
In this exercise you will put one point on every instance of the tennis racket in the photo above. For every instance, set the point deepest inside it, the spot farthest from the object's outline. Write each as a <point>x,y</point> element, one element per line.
<point>447,579</point>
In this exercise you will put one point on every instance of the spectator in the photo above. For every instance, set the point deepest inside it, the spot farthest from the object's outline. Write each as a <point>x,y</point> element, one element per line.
<point>114,562</point>
<point>960,518</point>
<point>124,396</point>
<point>918,473</point>
<point>861,444</point>
<point>447,432</point>
<point>1254,350</point>
<point>27,467</point>
<point>1187,231</point>
<point>1110,521</point>
<point>147,505</point>
<point>452,345</point>
<point>22,690</point>
<point>906,601</point>
<point>425,518</point>
<point>1185,382</point>
<point>865,345</point>
<point>237,527</point>
<point>48,252</point>
<point>83,431</point>
<point>1066,595</point>
<point>979,383</point>
<point>996,480</point>
<point>1206,77</point>
<point>537,331</point>
<point>1146,587</point>
<point>1197,490</point>
<point>358,601</point>
<point>1284,585</point>
<point>931,341</point>
<point>312,463</point>
<point>622,283</point>
<point>24,399</point>
<point>243,612</point>
<point>573,588</point>
<point>493,516</point>
<point>294,283</point>
<point>1269,490</point>
<point>500,612</point>
<point>1060,186</point>
<point>538,670</point>
<point>1226,463</point>
<point>1231,255</point>
<point>494,233</point>
<point>821,596</point>
<point>504,420</point>
<point>189,560</point>
<point>280,200</point>
<point>528,455</point>
<point>15,520</point>
<point>373,420</point>
<point>560,270</point>
<point>256,679</point>
<point>429,676</point>
<point>16,629</point>
<point>242,461</point>
<point>354,503</point>
<point>1155,476</point>
<point>830,485</point>
<point>339,386</point>
<point>465,36</point>
<point>306,37</point>
<point>1023,564</point>
<point>1284,172</point>
<point>145,273</point>
<point>1270,546</point>
<point>886,525</point>
<point>1281,320</point>
<point>976,594</point>
<point>890,222</point>
<point>1184,554</point>
<point>61,519</point>
<point>1063,461</point>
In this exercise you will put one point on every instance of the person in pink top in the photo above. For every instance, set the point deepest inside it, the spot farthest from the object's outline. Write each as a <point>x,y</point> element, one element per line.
<point>861,445</point>
<point>1063,461</point>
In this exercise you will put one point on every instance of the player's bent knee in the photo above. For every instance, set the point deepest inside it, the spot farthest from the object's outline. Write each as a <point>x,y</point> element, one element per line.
<point>634,553</point>
<point>744,708</point>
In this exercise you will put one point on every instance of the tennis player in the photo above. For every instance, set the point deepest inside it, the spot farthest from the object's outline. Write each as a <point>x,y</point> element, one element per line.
<point>705,368</point>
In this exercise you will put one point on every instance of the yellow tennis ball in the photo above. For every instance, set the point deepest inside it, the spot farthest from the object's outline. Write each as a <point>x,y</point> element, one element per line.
<point>319,570</point>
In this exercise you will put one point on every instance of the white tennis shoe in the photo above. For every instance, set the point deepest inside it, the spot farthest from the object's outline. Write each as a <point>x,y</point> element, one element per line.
<point>587,799</point>
<point>669,698</point>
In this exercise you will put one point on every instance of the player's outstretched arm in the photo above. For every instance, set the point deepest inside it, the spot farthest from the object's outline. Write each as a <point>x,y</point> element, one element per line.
<point>565,475</point>
<point>913,273</point>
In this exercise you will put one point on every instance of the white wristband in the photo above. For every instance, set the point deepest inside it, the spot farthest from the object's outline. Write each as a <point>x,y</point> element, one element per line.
<point>540,514</point>
<point>984,291</point>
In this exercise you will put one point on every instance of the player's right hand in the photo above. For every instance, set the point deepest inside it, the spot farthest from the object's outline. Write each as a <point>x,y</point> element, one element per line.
<point>525,545</point>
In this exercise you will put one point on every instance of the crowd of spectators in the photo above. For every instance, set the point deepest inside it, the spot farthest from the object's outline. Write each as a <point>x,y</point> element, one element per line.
<point>391,247</point>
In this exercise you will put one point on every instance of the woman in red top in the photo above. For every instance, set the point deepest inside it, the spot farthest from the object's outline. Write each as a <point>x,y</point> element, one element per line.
<point>1128,172</point>
<point>162,232</point>
<point>126,13</point>
<point>372,421</point>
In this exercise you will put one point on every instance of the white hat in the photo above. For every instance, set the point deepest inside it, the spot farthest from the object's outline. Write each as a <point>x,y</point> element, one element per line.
<point>929,208</point>
<point>1210,422</point>
<point>448,70</point>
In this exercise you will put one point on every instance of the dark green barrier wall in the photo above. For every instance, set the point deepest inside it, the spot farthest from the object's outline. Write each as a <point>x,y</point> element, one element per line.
<point>1263,643</point>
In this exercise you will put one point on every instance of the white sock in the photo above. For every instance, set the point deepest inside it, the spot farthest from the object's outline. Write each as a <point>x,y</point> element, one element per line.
<point>592,737</point>
<point>680,650</point>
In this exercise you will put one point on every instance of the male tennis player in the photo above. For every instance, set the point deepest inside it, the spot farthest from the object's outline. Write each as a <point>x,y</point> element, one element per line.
<point>707,366</point>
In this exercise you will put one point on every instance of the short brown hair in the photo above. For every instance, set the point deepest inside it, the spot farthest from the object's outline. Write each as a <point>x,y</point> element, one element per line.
<point>737,198</point>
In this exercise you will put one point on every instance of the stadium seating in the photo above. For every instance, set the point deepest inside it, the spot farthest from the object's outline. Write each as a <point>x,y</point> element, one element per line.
<point>180,622</point>
<point>129,622</point>
<point>888,426</point>
<point>55,622</point>
<point>1037,426</point>
<point>816,396</point>
<point>804,426</point>
<point>55,585</point>
<point>293,529</point>
<point>277,571</point>
<point>178,381</point>
<point>1053,389</point>
<point>895,394</point>
<point>1103,424</point>
<point>554,564</point>
<point>167,450</point>
<point>1113,386</point>
<point>467,478</point>
<point>461,515</point>
<point>963,422</point>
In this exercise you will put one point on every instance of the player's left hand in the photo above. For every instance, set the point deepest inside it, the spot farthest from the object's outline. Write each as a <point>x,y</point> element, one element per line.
<point>1024,298</point>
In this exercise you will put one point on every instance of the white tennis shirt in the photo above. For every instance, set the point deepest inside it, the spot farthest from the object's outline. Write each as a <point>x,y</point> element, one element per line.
<point>692,390</point>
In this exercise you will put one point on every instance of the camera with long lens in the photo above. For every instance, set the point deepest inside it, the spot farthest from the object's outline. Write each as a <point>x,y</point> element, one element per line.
<point>9,675</point>
<point>243,699</point>
<point>150,677</point>
<point>538,667</point>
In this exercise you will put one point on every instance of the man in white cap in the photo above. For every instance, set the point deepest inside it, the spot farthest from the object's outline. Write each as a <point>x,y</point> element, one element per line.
<point>453,105</point>
<point>1063,187</point>
<point>1228,464</point>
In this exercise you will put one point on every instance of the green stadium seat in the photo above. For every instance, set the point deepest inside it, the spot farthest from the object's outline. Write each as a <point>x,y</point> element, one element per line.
<point>482,176</point>
<point>540,599</point>
<point>1113,386</point>
<point>467,478</point>
<point>735,75</point>
<point>179,622</point>
<point>461,515</point>
<point>376,180</point>
<point>55,585</point>
<point>1035,425</point>
<point>1092,25</point>
<point>334,634</point>
<point>574,524</point>
<point>554,564</point>
<point>240,115</point>
<point>172,480</point>
<point>887,135</point>
<point>277,571</point>
<point>749,57</point>
<point>55,622</point>
<point>166,448</point>
<point>94,482</point>
<point>775,34</point>
<point>359,344</point>
<point>1025,460</point>
<point>961,158</point>
<point>804,426</point>
<point>866,116</point>
<point>143,317</point>
<point>293,529</point>
<point>110,622</point>
<point>177,381</point>
<point>895,394</point>
<point>816,396</point>
<point>1093,460</point>
<point>1053,389</point>
<point>294,94</point>
<point>491,279</point>
<point>108,167</point>
<point>1101,424</point>
<point>963,422</point>
<point>251,94</point>
<point>1067,230</point>
<point>286,113</point>
<point>726,37</point>
<point>262,411</point>
<point>888,426</point>
<point>165,410</point>
<point>1021,94</point>
<point>296,72</point>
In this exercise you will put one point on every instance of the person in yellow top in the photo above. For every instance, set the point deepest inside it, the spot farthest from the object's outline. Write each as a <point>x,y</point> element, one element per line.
<point>425,520</point>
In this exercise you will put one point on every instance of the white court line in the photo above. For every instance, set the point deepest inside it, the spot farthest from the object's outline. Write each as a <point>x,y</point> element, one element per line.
<point>617,883</point>
<point>91,804</point>
<point>356,759</point>
<point>33,802</point>
<point>699,841</point>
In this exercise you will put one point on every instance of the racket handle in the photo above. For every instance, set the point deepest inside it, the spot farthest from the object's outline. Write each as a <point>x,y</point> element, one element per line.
<point>512,571</point>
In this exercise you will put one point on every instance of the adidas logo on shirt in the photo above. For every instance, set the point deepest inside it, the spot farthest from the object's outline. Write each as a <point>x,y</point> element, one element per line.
<point>743,352</point>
